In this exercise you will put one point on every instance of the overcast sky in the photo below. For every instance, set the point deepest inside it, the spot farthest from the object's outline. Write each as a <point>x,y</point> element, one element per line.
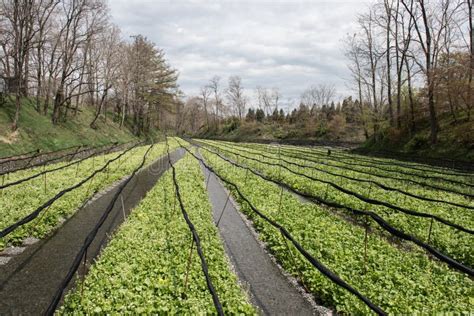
<point>284,44</point>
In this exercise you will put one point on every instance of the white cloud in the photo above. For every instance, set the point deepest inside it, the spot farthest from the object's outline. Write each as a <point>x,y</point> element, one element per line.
<point>284,44</point>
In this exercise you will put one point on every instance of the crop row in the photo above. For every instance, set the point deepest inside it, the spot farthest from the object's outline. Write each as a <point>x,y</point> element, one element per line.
<point>397,276</point>
<point>421,189</point>
<point>418,192</point>
<point>390,165</point>
<point>150,265</point>
<point>461,184</point>
<point>447,239</point>
<point>18,201</point>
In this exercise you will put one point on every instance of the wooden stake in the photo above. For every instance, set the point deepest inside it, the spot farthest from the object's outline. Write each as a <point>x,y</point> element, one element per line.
<point>429,232</point>
<point>294,261</point>
<point>246,175</point>
<point>281,199</point>
<point>223,209</point>
<point>326,193</point>
<point>174,201</point>
<point>40,218</point>
<point>279,164</point>
<point>83,274</point>
<point>370,190</point>
<point>107,173</point>
<point>77,168</point>
<point>208,176</point>
<point>44,176</point>
<point>123,208</point>
<point>188,267</point>
<point>89,187</point>
<point>365,245</point>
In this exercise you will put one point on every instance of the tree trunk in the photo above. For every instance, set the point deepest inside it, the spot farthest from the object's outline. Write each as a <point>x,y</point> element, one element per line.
<point>431,105</point>
<point>17,111</point>
<point>430,79</point>
<point>389,66</point>
<point>361,106</point>
<point>39,74</point>
<point>410,97</point>
<point>471,71</point>
<point>99,109</point>
<point>47,98</point>
<point>451,107</point>
<point>58,99</point>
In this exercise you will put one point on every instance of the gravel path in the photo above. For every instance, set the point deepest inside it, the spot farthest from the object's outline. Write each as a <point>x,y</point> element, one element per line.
<point>29,280</point>
<point>270,290</point>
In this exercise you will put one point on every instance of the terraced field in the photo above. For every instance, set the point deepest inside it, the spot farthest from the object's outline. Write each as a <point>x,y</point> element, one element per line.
<point>360,235</point>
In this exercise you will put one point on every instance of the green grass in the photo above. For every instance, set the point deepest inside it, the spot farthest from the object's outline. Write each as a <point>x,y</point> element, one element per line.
<point>36,131</point>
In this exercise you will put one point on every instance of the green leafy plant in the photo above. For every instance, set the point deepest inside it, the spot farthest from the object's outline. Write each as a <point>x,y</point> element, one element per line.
<point>18,201</point>
<point>398,276</point>
<point>144,268</point>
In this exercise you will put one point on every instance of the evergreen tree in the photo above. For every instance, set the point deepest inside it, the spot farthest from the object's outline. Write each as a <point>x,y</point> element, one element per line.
<point>260,115</point>
<point>250,117</point>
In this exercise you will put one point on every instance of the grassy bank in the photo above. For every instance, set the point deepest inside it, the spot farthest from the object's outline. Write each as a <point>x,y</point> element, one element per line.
<point>36,131</point>
<point>455,141</point>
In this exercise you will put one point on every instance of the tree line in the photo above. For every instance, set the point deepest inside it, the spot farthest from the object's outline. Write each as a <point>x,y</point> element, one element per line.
<point>221,107</point>
<point>67,55</point>
<point>412,60</point>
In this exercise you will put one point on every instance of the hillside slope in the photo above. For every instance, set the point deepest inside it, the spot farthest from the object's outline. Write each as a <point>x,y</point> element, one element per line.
<point>37,131</point>
<point>284,133</point>
<point>455,141</point>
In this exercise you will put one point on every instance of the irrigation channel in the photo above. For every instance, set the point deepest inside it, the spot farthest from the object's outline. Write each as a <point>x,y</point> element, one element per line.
<point>28,282</point>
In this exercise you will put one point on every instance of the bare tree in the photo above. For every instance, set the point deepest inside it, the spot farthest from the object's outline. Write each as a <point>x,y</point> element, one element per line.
<point>268,99</point>
<point>388,5</point>
<point>205,93</point>
<point>423,22</point>
<point>354,54</point>
<point>403,37</point>
<point>318,95</point>
<point>236,97</point>
<point>83,19</point>
<point>371,54</point>
<point>470,98</point>
<point>43,15</point>
<point>77,59</point>
<point>109,67</point>
<point>214,86</point>
<point>19,17</point>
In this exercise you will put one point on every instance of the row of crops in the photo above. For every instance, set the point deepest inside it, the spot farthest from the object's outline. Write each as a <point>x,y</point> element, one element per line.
<point>34,201</point>
<point>357,229</point>
<point>148,268</point>
<point>361,234</point>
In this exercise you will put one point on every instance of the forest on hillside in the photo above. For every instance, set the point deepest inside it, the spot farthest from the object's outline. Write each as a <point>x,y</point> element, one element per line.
<point>411,66</point>
<point>67,55</point>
